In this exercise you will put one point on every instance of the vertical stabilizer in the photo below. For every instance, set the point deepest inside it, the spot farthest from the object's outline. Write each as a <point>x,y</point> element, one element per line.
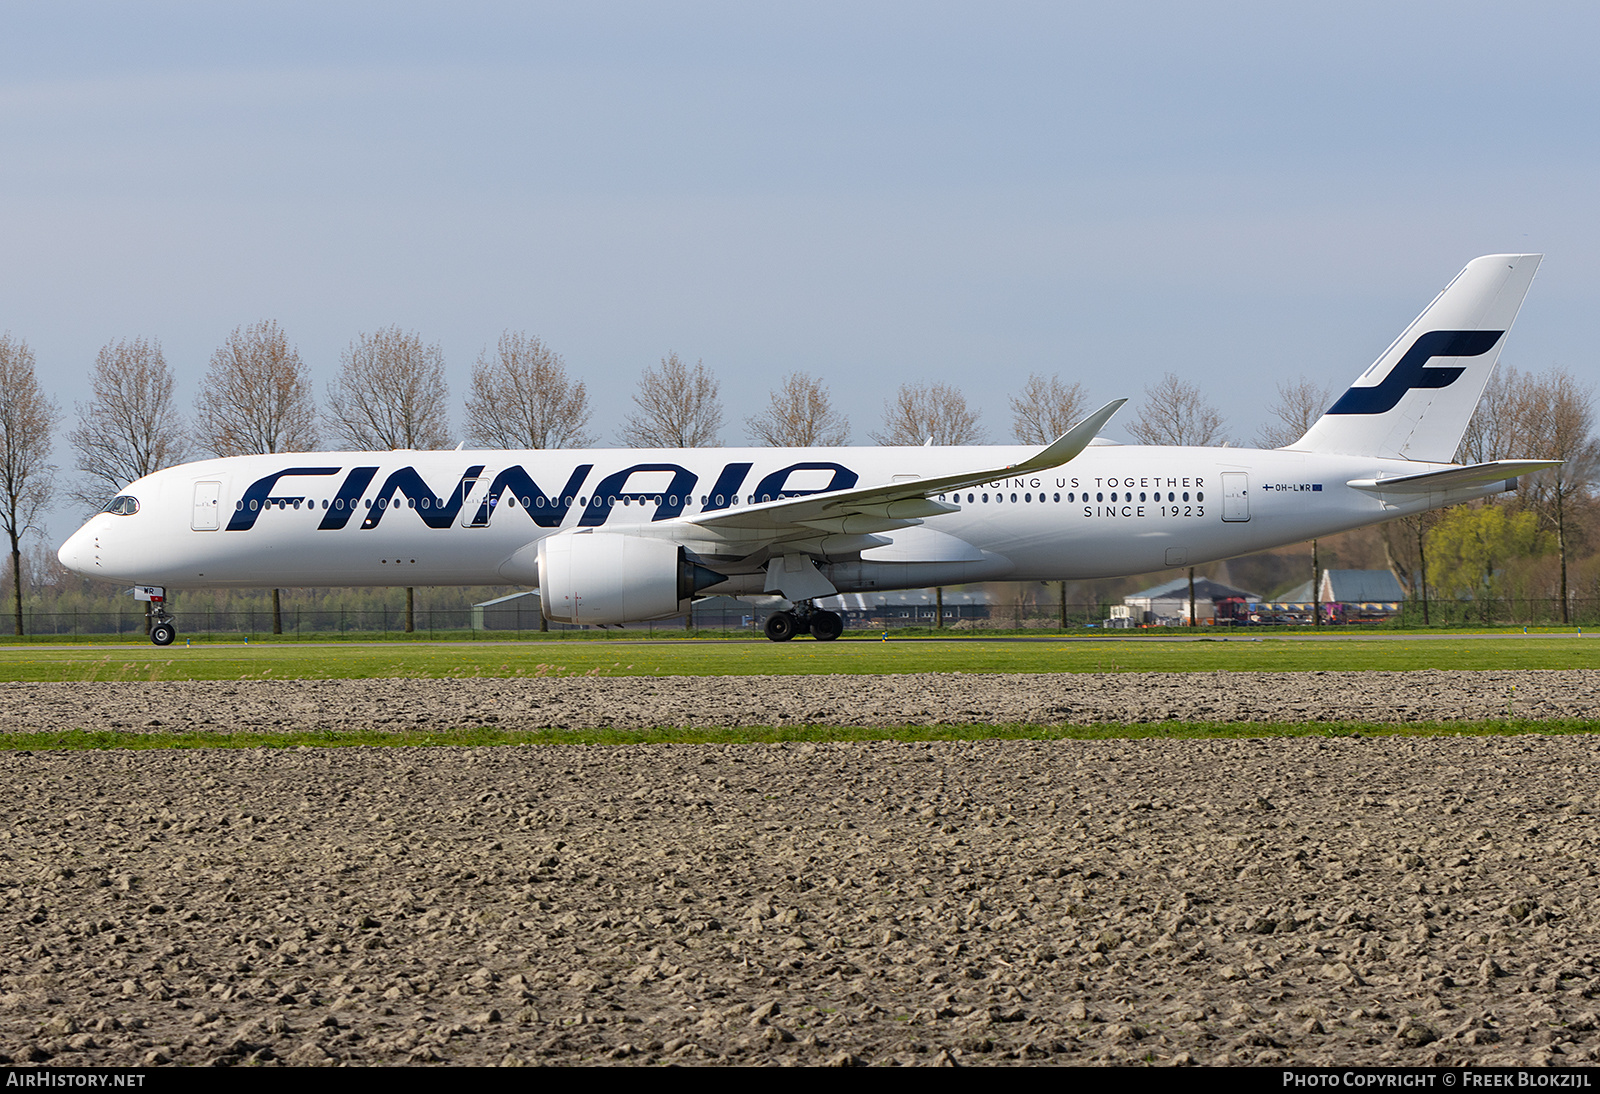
<point>1416,399</point>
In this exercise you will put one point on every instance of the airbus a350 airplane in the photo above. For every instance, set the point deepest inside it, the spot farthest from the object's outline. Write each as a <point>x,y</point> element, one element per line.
<point>624,535</point>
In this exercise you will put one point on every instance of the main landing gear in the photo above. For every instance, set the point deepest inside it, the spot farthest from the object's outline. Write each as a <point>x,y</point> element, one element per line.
<point>824,626</point>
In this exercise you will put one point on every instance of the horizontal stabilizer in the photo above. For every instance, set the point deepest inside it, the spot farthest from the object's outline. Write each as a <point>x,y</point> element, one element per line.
<point>1453,478</point>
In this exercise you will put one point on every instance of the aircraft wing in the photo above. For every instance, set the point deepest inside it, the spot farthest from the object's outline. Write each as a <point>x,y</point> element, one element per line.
<point>860,511</point>
<point>1452,478</point>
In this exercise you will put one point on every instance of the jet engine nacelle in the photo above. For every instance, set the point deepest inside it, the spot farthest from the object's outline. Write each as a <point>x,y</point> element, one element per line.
<point>604,577</point>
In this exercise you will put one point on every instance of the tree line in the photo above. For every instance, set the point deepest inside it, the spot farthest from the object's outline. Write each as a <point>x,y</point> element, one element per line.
<point>391,392</point>
<point>1500,547</point>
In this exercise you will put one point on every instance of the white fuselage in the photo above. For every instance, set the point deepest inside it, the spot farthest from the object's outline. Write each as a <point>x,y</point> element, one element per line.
<point>457,518</point>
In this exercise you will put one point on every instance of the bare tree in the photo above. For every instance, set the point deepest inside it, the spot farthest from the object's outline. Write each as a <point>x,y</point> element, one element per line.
<point>1559,425</point>
<point>1046,408</point>
<point>1175,413</point>
<point>390,394</point>
<point>256,399</point>
<point>920,413</point>
<point>131,427</point>
<point>256,396</point>
<point>678,407</point>
<point>1300,403</point>
<point>1498,429</point>
<point>1548,417</point>
<point>522,398</point>
<point>1551,417</point>
<point>1405,549</point>
<point>800,414</point>
<point>26,474</point>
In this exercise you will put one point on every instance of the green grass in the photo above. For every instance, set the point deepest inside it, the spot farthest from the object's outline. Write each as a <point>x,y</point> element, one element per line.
<point>477,737</point>
<point>267,661</point>
<point>258,661</point>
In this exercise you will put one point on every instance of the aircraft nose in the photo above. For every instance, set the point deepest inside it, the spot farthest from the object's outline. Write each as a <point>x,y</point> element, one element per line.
<point>79,553</point>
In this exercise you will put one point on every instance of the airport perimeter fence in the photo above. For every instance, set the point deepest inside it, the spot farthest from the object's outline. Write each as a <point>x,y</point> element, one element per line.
<point>748,619</point>
<point>242,621</point>
<point>309,621</point>
<point>1500,611</point>
<point>295,621</point>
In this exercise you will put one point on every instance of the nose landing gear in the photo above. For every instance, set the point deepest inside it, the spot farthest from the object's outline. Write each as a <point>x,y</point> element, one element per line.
<point>824,626</point>
<point>163,628</point>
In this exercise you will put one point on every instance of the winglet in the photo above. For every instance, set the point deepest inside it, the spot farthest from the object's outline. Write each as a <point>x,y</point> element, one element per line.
<point>1068,446</point>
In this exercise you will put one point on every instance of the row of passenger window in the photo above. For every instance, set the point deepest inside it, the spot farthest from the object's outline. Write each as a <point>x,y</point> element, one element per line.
<point>1072,496</point>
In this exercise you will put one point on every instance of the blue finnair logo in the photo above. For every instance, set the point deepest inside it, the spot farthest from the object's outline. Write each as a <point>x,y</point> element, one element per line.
<point>1410,371</point>
<point>404,488</point>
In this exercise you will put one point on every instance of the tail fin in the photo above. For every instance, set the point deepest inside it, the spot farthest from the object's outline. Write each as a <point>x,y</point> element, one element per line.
<point>1416,399</point>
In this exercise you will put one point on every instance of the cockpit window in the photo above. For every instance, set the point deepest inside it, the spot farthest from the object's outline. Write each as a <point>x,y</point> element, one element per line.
<point>123,505</point>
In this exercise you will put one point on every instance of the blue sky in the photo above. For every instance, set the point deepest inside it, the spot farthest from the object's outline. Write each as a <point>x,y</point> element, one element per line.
<point>874,193</point>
